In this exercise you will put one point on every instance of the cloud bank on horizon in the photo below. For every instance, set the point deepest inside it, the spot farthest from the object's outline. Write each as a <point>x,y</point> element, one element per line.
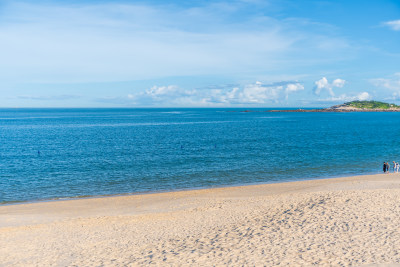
<point>248,95</point>
<point>203,54</point>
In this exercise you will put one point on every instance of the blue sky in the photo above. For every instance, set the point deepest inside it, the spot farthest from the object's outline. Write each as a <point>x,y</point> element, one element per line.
<point>246,53</point>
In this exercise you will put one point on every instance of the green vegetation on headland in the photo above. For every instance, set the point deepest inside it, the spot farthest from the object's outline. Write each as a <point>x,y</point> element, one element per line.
<point>369,105</point>
<point>353,106</point>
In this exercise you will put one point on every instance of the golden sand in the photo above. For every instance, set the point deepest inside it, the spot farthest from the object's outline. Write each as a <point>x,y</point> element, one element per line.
<point>340,222</point>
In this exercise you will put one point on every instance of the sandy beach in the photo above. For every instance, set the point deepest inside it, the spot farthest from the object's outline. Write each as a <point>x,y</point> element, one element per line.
<point>343,221</point>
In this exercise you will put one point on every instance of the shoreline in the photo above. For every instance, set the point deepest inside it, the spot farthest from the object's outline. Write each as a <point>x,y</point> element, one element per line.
<point>56,199</point>
<point>336,221</point>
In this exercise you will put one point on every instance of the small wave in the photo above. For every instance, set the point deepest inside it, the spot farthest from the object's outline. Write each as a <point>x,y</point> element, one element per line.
<point>172,112</point>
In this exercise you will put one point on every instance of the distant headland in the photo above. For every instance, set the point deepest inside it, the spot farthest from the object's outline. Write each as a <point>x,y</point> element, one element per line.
<point>353,106</point>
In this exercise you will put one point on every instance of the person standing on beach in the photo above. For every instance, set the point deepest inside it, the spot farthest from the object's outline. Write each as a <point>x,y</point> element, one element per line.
<point>384,167</point>
<point>394,166</point>
<point>387,167</point>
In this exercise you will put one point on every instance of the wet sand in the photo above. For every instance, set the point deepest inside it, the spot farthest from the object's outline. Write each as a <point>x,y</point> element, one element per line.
<point>343,221</point>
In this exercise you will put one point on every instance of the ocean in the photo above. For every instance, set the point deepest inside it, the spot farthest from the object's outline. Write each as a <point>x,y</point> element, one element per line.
<point>50,154</point>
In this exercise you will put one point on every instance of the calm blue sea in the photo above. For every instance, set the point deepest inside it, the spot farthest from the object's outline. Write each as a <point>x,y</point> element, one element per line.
<point>61,153</point>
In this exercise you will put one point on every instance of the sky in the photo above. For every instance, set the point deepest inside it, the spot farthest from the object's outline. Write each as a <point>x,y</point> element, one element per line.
<point>244,53</point>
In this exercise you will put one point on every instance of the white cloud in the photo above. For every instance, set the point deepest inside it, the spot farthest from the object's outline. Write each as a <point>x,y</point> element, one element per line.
<point>363,96</point>
<point>323,85</point>
<point>44,42</point>
<point>164,95</point>
<point>250,94</point>
<point>338,83</point>
<point>162,91</point>
<point>391,83</point>
<point>293,87</point>
<point>113,42</point>
<point>258,93</point>
<point>394,24</point>
<point>346,98</point>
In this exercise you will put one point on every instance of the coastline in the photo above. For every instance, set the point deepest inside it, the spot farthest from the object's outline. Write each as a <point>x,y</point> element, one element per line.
<point>278,223</point>
<point>56,199</point>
